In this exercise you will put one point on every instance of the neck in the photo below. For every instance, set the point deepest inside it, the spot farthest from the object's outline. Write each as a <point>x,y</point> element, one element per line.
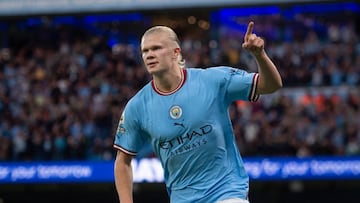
<point>168,82</point>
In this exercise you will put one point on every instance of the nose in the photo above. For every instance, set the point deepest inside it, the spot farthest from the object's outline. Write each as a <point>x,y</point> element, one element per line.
<point>148,55</point>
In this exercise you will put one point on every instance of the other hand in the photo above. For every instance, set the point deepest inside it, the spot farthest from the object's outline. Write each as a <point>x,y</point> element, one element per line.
<point>253,43</point>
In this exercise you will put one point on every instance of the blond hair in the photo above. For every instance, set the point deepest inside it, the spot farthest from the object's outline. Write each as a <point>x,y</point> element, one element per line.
<point>172,36</point>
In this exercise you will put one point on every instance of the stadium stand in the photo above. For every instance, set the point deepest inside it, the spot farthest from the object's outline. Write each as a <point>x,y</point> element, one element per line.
<point>66,74</point>
<point>64,83</point>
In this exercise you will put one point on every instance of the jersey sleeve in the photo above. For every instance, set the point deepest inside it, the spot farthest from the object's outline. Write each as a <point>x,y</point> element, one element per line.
<point>242,85</point>
<point>129,137</point>
<point>238,84</point>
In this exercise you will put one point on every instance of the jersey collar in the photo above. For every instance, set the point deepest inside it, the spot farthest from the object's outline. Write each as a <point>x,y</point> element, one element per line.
<point>183,79</point>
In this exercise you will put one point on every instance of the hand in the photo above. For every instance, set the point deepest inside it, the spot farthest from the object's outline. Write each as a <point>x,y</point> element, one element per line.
<point>253,43</point>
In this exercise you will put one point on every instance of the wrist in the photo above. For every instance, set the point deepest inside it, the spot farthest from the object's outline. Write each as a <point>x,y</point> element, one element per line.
<point>260,54</point>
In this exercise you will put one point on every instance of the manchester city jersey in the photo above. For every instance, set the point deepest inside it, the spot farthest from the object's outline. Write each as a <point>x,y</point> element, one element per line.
<point>191,133</point>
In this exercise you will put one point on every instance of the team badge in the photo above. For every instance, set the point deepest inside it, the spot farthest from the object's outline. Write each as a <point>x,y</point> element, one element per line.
<point>234,71</point>
<point>175,112</point>
<point>121,128</point>
<point>122,118</point>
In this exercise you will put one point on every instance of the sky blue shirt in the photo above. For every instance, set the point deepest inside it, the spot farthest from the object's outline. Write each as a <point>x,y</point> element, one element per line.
<point>191,133</point>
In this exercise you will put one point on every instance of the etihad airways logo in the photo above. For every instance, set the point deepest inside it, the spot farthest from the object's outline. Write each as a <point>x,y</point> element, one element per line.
<point>187,138</point>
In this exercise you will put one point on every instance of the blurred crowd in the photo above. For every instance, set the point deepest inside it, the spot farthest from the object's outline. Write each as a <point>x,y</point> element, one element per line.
<point>63,87</point>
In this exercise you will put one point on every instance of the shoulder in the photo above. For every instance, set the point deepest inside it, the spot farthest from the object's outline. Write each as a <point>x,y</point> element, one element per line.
<point>215,72</point>
<point>227,70</point>
<point>138,100</point>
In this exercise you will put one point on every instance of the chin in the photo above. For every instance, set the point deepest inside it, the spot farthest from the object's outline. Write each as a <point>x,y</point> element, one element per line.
<point>154,70</point>
<point>151,70</point>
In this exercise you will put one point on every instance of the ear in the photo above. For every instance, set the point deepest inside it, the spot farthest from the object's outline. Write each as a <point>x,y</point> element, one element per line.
<point>177,52</point>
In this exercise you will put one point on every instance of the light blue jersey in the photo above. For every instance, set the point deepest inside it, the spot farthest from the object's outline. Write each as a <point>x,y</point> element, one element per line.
<point>191,133</point>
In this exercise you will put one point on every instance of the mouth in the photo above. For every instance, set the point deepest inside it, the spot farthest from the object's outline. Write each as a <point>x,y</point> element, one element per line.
<point>151,64</point>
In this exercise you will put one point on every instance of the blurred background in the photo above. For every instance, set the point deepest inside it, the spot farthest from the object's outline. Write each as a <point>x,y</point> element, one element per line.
<point>68,67</point>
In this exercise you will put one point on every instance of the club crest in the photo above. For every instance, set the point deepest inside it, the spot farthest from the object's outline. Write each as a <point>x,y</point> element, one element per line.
<point>175,112</point>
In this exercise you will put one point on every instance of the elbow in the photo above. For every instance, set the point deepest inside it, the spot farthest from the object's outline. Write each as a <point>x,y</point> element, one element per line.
<point>268,89</point>
<point>278,85</point>
<point>272,90</point>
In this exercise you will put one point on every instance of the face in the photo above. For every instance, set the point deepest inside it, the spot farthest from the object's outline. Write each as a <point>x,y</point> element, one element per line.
<point>159,53</point>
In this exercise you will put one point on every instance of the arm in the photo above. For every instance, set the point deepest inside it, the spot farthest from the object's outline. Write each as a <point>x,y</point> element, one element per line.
<point>269,77</point>
<point>123,177</point>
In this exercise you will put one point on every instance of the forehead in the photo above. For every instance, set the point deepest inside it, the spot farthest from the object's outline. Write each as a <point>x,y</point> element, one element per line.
<point>157,37</point>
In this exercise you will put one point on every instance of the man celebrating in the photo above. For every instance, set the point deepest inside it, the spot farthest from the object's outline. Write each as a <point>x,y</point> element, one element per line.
<point>183,114</point>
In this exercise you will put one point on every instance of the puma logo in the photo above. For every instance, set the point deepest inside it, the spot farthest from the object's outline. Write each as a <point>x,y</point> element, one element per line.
<point>179,124</point>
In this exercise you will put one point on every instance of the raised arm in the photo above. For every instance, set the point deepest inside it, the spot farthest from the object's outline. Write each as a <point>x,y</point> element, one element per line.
<point>269,77</point>
<point>123,177</point>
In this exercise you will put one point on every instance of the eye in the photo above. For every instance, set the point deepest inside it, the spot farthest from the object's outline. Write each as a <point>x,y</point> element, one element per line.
<point>144,51</point>
<point>156,48</point>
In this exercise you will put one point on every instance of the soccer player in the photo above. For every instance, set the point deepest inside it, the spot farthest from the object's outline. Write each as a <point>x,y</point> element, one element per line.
<point>183,114</point>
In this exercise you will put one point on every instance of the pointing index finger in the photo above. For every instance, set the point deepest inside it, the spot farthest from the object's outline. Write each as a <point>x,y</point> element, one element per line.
<point>249,30</point>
